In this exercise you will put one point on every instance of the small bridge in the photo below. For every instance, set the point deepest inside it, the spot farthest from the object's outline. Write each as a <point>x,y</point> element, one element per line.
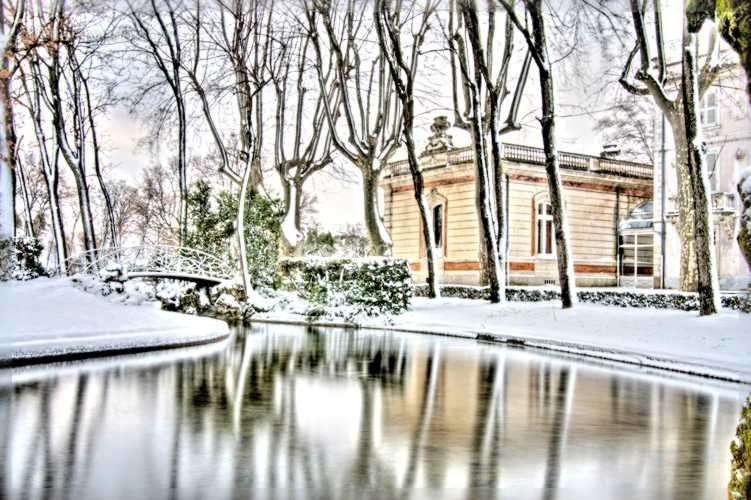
<point>155,261</point>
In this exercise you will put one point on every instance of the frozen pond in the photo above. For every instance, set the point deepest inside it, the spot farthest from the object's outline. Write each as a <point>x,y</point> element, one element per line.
<point>285,412</point>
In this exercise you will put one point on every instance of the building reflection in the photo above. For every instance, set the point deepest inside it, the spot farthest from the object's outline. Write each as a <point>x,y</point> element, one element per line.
<point>340,414</point>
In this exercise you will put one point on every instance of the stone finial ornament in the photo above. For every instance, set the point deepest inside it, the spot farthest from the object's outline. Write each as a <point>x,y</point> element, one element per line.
<point>440,141</point>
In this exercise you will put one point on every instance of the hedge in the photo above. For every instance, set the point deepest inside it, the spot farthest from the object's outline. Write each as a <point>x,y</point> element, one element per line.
<point>370,285</point>
<point>611,297</point>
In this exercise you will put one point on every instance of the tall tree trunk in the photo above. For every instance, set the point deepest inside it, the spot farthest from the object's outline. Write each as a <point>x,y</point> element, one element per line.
<point>489,260</point>
<point>108,206</point>
<point>499,184</point>
<point>7,133</point>
<point>248,144</point>
<point>419,185</point>
<point>688,281</point>
<point>56,219</point>
<point>706,263</point>
<point>245,190</point>
<point>555,186</point>
<point>182,167</point>
<point>84,205</point>
<point>378,236</point>
<point>7,155</point>
<point>293,211</point>
<point>28,222</point>
<point>403,73</point>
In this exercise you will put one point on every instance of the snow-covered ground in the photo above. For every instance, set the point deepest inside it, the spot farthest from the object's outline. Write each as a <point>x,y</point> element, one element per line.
<point>49,318</point>
<point>718,346</point>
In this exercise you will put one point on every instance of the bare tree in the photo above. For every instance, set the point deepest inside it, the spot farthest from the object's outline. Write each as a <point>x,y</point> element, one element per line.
<point>536,38</point>
<point>8,37</point>
<point>629,125</point>
<point>156,208</point>
<point>372,119</point>
<point>54,61</point>
<point>298,154</point>
<point>389,21</point>
<point>23,188</point>
<point>158,35</point>
<point>652,79</point>
<point>242,35</point>
<point>706,260</point>
<point>483,97</point>
<point>34,98</point>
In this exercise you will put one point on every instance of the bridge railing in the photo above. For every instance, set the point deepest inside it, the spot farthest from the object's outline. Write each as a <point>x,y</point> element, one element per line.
<point>157,259</point>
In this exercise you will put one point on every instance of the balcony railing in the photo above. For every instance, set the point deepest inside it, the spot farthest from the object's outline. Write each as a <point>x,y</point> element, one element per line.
<point>533,156</point>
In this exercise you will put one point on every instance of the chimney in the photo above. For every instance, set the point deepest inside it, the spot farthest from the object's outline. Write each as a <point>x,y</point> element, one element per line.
<point>610,151</point>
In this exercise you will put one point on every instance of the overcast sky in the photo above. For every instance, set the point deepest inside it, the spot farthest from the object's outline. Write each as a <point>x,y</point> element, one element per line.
<point>585,85</point>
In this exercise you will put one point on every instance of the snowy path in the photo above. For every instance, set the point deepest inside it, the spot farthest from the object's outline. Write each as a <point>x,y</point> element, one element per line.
<point>44,319</point>
<point>719,346</point>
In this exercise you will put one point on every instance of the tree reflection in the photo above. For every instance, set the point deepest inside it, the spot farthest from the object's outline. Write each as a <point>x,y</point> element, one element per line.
<point>341,414</point>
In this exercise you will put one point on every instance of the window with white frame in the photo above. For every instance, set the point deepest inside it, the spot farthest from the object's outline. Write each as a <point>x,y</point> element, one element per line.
<point>545,244</point>
<point>710,109</point>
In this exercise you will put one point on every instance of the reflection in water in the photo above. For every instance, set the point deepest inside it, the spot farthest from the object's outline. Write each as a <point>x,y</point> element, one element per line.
<point>288,413</point>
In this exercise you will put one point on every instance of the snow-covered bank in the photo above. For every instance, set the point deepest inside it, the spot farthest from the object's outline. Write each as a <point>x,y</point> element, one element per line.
<point>47,319</point>
<point>718,346</point>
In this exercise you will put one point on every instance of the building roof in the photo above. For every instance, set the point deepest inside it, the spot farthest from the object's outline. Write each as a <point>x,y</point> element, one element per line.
<point>534,156</point>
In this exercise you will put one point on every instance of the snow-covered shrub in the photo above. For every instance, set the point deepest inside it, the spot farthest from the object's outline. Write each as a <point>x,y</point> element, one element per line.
<point>744,234</point>
<point>345,287</point>
<point>740,449</point>
<point>112,271</point>
<point>177,296</point>
<point>19,259</point>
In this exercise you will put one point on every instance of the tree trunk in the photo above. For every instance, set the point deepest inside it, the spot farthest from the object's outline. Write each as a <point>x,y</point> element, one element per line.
<point>108,206</point>
<point>419,185</point>
<point>500,194</point>
<point>555,186</point>
<point>293,209</point>
<point>248,145</point>
<point>28,221</point>
<point>706,263</point>
<point>56,220</point>
<point>182,167</point>
<point>688,271</point>
<point>240,223</point>
<point>84,205</point>
<point>7,188</point>
<point>491,271</point>
<point>378,236</point>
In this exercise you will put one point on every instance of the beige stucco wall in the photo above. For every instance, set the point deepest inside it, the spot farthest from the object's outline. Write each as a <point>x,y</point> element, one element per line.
<point>590,201</point>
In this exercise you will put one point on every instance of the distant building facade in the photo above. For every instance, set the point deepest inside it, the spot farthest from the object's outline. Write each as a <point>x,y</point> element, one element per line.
<point>605,198</point>
<point>726,120</point>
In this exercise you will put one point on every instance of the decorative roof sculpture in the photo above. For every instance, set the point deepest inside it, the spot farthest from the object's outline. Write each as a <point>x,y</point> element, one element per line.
<point>440,141</point>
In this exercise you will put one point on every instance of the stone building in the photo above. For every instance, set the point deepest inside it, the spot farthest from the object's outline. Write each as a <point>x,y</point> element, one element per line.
<point>605,198</point>
<point>726,120</point>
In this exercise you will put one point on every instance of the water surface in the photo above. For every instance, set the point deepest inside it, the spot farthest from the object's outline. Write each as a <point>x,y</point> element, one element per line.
<point>288,412</point>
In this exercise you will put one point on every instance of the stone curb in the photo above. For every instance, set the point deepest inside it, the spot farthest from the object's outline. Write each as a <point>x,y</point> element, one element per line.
<point>69,350</point>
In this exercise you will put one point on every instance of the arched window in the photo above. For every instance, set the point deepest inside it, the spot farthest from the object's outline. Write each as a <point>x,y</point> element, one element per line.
<point>438,226</point>
<point>437,212</point>
<point>545,244</point>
